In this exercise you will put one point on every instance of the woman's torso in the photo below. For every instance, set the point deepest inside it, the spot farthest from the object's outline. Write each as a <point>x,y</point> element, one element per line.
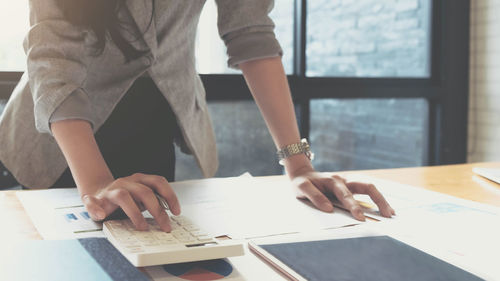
<point>170,63</point>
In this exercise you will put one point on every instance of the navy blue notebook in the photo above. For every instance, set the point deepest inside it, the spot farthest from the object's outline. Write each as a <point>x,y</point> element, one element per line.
<point>83,259</point>
<point>366,258</point>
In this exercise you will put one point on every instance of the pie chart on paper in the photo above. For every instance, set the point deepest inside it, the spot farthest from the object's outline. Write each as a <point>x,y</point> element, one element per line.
<point>201,270</point>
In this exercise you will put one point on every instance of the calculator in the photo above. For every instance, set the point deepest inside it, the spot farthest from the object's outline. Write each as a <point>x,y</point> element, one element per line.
<point>185,243</point>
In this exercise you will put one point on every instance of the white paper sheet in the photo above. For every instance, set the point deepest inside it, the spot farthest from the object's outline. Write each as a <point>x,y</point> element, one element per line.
<point>59,214</point>
<point>252,207</point>
<point>419,204</point>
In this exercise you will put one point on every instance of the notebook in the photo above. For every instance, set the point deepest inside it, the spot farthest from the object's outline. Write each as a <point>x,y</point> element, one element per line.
<point>359,258</point>
<point>53,260</point>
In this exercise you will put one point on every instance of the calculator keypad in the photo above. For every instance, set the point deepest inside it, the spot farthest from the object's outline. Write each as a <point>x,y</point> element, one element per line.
<point>184,234</point>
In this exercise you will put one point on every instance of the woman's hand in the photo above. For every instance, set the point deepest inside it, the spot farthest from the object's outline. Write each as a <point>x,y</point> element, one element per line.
<point>317,186</point>
<point>132,194</point>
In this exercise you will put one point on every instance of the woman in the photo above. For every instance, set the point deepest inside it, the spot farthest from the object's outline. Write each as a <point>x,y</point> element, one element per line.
<point>124,71</point>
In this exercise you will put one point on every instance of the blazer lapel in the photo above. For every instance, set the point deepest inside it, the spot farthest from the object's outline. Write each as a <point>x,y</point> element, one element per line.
<point>141,11</point>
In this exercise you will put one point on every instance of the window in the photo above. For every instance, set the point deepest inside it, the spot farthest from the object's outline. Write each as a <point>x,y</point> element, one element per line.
<point>369,38</point>
<point>13,25</point>
<point>350,134</point>
<point>211,52</point>
<point>394,70</point>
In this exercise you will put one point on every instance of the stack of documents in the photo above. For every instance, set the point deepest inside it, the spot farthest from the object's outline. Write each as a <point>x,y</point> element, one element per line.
<point>460,232</point>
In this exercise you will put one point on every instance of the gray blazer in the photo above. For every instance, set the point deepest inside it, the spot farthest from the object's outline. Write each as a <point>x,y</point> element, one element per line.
<point>60,63</point>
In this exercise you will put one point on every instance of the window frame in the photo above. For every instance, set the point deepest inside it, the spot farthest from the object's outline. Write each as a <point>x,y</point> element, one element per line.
<point>446,89</point>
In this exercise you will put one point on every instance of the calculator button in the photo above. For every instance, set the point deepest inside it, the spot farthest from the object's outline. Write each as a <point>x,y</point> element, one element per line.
<point>168,241</point>
<point>145,239</point>
<point>178,231</point>
<point>204,238</point>
<point>199,233</point>
<point>125,238</point>
<point>163,235</point>
<point>191,227</point>
<point>181,220</point>
<point>187,239</point>
<point>152,243</point>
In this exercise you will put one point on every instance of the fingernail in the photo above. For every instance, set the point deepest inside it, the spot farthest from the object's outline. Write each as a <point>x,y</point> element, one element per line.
<point>176,210</point>
<point>360,215</point>
<point>100,215</point>
<point>167,228</point>
<point>327,207</point>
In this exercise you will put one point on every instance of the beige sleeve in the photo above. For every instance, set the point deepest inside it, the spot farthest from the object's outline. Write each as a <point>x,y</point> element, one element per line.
<point>56,59</point>
<point>247,30</point>
<point>75,106</point>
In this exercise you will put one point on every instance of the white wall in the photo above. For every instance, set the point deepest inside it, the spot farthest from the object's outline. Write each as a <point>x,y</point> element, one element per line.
<point>484,103</point>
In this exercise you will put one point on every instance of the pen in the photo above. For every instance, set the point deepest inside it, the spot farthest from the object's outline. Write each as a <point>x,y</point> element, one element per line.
<point>162,201</point>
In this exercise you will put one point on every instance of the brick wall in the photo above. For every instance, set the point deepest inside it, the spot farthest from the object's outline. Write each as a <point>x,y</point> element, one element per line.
<point>369,38</point>
<point>484,105</point>
<point>369,133</point>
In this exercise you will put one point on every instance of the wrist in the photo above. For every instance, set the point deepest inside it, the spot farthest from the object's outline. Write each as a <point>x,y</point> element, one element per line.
<point>298,164</point>
<point>95,187</point>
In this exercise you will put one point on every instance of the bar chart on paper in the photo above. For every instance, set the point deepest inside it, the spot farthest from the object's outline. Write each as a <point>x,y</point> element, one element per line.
<point>77,219</point>
<point>59,214</point>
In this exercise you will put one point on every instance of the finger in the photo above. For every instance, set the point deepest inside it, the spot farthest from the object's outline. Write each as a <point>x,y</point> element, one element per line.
<point>122,198</point>
<point>93,206</point>
<point>339,189</point>
<point>315,196</point>
<point>366,188</point>
<point>161,185</point>
<point>147,197</point>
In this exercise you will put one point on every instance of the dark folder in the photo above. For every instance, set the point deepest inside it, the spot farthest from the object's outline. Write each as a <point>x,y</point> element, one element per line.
<point>366,258</point>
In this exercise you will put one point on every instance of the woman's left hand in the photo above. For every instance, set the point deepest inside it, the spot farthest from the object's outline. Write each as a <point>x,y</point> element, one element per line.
<point>316,186</point>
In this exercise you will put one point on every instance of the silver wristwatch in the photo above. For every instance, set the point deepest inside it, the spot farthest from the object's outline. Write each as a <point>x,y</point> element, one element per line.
<point>294,149</point>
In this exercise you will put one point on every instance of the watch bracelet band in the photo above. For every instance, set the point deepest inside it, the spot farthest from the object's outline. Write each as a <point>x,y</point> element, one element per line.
<point>294,149</point>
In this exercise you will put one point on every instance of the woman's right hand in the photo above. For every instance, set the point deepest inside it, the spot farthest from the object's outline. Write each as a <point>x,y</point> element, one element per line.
<point>132,194</point>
